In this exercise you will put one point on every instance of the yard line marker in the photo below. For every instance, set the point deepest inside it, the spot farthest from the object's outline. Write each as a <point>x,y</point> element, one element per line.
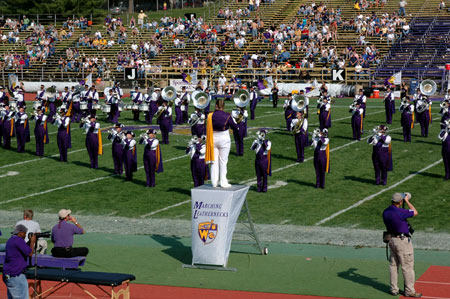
<point>166,208</point>
<point>378,193</point>
<point>9,173</point>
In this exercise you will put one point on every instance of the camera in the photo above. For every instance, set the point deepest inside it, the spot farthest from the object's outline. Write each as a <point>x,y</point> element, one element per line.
<point>40,235</point>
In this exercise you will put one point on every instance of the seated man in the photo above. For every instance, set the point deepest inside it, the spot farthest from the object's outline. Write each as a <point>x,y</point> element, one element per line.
<point>62,236</point>
<point>33,227</point>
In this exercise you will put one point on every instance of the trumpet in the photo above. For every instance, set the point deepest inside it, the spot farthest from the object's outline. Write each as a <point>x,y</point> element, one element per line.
<point>316,133</point>
<point>193,120</point>
<point>161,110</point>
<point>142,138</point>
<point>257,142</point>
<point>319,102</point>
<point>352,107</point>
<point>34,114</point>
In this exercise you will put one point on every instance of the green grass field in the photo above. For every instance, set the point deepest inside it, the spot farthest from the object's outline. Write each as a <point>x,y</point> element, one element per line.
<point>46,185</point>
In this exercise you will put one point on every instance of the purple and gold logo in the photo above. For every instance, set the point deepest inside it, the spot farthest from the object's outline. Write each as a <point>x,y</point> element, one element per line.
<point>207,231</point>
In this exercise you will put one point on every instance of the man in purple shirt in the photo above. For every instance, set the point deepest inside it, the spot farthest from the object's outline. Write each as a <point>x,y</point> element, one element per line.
<point>17,252</point>
<point>400,245</point>
<point>62,236</point>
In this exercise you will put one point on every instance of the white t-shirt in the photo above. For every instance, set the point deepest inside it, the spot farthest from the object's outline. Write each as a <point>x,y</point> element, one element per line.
<point>33,227</point>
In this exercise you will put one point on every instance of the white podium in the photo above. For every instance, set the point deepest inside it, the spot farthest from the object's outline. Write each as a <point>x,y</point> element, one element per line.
<point>214,215</point>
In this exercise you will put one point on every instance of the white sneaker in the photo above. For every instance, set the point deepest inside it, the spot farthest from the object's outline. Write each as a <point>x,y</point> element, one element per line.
<point>225,185</point>
<point>214,185</point>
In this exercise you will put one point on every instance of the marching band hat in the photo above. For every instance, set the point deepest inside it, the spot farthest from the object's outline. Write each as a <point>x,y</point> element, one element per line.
<point>152,131</point>
<point>382,127</point>
<point>325,132</point>
<point>61,110</point>
<point>20,228</point>
<point>64,213</point>
<point>118,125</point>
<point>92,116</point>
<point>131,133</point>
<point>203,137</point>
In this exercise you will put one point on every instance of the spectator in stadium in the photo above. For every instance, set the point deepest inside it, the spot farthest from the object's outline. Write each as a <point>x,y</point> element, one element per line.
<point>33,227</point>
<point>400,245</point>
<point>62,236</point>
<point>402,5</point>
<point>17,253</point>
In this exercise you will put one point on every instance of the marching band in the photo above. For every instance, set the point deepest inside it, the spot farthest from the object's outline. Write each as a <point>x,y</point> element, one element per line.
<point>210,143</point>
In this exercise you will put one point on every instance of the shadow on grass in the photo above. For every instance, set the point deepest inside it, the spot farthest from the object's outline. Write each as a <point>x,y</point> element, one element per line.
<point>176,249</point>
<point>282,157</point>
<point>343,137</point>
<point>431,175</point>
<point>351,275</point>
<point>280,132</point>
<point>358,179</point>
<point>308,184</point>
<point>180,190</point>
<point>88,165</point>
<point>428,142</point>
<point>179,147</point>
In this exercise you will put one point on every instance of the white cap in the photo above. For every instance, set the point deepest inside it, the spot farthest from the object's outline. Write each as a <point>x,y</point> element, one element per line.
<point>64,213</point>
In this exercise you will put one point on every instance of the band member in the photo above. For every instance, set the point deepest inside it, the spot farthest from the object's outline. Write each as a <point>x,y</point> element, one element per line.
<point>447,95</point>
<point>357,120</point>
<point>3,96</point>
<point>137,100</point>
<point>40,94</point>
<point>263,163</point>
<point>164,119</point>
<point>50,99</point>
<point>116,135</point>
<point>66,99</point>
<point>306,99</point>
<point>275,96</point>
<point>197,122</point>
<point>152,156</point>
<point>1,123</point>
<point>19,96</point>
<point>178,112</point>
<point>323,88</point>
<point>300,130</point>
<point>288,112</point>
<point>361,99</point>
<point>76,108</point>
<point>40,131</point>
<point>84,93</point>
<point>253,102</point>
<point>62,122</point>
<point>240,116</point>
<point>152,99</point>
<point>416,97</point>
<point>407,119</point>
<point>113,100</point>
<point>197,149</point>
<point>129,155</point>
<point>381,154</point>
<point>208,92</point>
<point>324,110</point>
<point>444,112</point>
<point>116,88</point>
<point>218,143</point>
<point>423,113</point>
<point>445,138</point>
<point>22,129</point>
<point>91,96</point>
<point>93,140</point>
<point>321,145</point>
<point>389,104</point>
<point>8,126</point>
<point>185,100</point>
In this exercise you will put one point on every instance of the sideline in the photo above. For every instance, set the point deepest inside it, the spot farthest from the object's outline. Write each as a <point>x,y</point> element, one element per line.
<point>378,193</point>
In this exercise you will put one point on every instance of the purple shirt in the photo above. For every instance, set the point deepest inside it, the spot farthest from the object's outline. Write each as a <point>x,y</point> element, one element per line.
<point>395,219</point>
<point>17,252</point>
<point>222,121</point>
<point>62,234</point>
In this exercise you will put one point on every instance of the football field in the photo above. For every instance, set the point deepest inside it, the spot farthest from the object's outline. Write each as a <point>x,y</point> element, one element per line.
<point>350,198</point>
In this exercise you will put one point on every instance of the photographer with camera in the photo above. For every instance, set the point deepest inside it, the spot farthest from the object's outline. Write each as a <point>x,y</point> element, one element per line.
<point>62,236</point>
<point>33,228</point>
<point>399,233</point>
<point>17,253</point>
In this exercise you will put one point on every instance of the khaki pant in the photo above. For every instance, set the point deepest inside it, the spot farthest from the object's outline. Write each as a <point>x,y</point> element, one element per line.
<point>402,253</point>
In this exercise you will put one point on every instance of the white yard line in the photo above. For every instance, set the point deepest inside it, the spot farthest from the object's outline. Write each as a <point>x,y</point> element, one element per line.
<point>357,204</point>
<point>9,173</point>
<point>74,184</point>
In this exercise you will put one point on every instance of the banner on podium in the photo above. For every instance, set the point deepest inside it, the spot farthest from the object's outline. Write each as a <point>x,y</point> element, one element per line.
<point>214,215</point>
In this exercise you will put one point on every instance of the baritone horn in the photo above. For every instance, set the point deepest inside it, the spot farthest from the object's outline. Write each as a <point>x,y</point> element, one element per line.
<point>169,94</point>
<point>241,98</point>
<point>200,99</point>
<point>428,87</point>
<point>298,103</point>
<point>50,92</point>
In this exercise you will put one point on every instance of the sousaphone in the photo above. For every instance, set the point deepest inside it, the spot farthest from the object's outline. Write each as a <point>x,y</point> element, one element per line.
<point>200,99</point>
<point>241,98</point>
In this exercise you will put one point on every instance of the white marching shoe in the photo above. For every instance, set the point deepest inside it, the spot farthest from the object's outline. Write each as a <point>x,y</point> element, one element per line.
<point>225,185</point>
